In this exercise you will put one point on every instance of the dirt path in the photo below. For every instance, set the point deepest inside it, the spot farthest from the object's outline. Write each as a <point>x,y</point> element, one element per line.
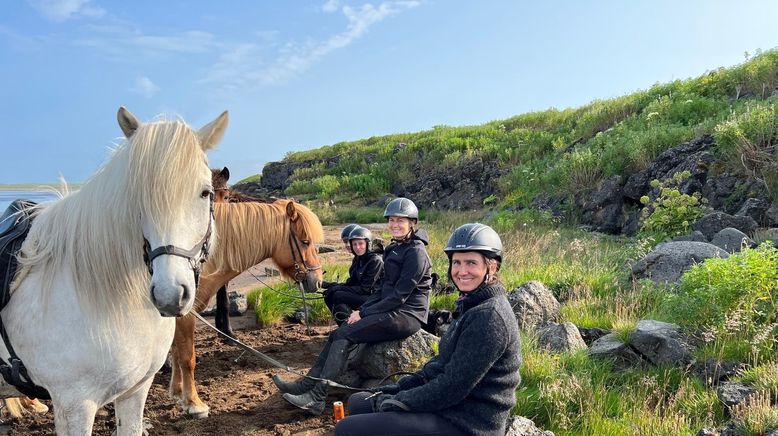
<point>238,389</point>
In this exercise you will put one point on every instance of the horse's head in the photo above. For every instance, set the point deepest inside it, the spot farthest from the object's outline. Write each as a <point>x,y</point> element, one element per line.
<point>298,258</point>
<point>176,204</point>
<point>219,178</point>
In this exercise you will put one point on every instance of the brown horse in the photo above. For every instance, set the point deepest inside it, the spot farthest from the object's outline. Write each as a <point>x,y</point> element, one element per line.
<point>248,234</point>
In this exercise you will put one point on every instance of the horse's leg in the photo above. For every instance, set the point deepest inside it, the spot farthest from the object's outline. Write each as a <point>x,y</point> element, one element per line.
<point>190,401</point>
<point>223,313</point>
<point>175,388</point>
<point>74,418</point>
<point>129,410</point>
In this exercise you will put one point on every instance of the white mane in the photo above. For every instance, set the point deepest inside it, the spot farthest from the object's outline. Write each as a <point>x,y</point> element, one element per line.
<point>96,231</point>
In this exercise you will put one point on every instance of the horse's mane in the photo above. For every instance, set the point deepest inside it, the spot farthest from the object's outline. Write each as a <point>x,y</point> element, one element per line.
<point>248,231</point>
<point>96,231</point>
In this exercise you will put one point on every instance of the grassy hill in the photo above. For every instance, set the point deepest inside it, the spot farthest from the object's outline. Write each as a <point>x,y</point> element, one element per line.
<point>556,151</point>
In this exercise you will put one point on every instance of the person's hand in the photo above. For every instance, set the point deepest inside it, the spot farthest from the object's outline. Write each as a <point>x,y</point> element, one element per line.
<point>354,317</point>
<point>388,403</point>
<point>392,389</point>
<point>326,285</point>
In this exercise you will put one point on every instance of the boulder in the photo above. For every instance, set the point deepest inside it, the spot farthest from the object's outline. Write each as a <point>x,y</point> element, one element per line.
<point>660,343</point>
<point>521,426</point>
<point>713,223</point>
<point>732,393</point>
<point>379,360</point>
<point>534,305</point>
<point>590,335</point>
<point>603,209</point>
<point>612,348</point>
<point>732,240</point>
<point>755,208</point>
<point>695,236</point>
<point>238,303</point>
<point>713,371</point>
<point>326,249</point>
<point>667,262</point>
<point>561,337</point>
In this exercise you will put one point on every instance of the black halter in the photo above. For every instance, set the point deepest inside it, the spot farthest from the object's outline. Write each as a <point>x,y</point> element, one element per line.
<point>300,271</point>
<point>196,256</point>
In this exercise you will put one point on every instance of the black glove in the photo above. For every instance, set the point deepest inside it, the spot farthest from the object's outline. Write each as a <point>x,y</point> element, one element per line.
<point>326,285</point>
<point>392,389</point>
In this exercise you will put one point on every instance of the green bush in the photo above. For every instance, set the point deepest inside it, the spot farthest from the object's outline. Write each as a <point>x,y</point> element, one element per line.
<point>731,303</point>
<point>671,213</point>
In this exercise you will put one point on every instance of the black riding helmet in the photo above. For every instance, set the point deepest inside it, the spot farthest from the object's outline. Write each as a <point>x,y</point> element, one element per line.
<point>344,234</point>
<point>401,207</point>
<point>360,232</point>
<point>476,237</point>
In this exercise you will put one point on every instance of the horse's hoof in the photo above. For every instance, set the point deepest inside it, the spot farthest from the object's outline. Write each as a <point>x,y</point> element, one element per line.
<point>198,412</point>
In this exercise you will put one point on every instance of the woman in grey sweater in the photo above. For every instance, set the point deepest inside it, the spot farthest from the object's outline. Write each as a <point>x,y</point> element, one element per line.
<point>469,387</point>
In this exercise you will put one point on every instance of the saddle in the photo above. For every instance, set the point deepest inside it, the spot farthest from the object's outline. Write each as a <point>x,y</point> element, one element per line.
<point>15,223</point>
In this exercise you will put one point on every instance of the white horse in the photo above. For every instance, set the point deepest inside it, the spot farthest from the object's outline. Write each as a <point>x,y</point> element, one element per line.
<point>89,319</point>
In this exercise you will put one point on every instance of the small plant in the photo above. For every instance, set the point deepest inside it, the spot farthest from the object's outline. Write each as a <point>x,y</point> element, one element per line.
<point>671,213</point>
<point>754,416</point>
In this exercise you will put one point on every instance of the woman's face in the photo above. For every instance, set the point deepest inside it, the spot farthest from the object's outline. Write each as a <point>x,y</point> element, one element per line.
<point>399,226</point>
<point>359,246</point>
<point>468,270</point>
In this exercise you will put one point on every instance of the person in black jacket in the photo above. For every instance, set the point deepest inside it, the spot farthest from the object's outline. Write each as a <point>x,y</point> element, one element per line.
<point>469,387</point>
<point>364,276</point>
<point>395,312</point>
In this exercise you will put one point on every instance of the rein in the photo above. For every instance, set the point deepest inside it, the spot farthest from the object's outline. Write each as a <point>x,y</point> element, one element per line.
<point>196,256</point>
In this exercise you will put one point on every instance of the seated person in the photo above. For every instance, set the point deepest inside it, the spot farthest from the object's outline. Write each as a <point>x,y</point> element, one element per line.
<point>395,312</point>
<point>364,276</point>
<point>469,387</point>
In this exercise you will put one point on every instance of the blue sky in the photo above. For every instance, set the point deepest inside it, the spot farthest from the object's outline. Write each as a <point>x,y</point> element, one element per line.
<point>302,74</point>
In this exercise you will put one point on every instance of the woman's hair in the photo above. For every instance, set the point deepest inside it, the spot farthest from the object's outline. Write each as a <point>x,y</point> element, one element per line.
<point>492,278</point>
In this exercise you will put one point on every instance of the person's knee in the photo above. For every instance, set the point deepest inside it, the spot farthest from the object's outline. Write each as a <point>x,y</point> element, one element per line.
<point>360,403</point>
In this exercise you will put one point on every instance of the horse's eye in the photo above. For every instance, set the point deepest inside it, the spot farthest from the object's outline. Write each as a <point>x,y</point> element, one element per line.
<point>306,242</point>
<point>205,194</point>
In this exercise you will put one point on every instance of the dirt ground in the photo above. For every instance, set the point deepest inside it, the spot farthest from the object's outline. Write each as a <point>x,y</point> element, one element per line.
<point>236,386</point>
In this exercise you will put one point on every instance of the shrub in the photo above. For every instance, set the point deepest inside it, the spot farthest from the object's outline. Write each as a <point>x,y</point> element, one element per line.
<point>733,301</point>
<point>671,213</point>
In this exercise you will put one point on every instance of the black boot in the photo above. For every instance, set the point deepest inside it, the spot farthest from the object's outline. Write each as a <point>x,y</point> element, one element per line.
<point>297,387</point>
<point>314,401</point>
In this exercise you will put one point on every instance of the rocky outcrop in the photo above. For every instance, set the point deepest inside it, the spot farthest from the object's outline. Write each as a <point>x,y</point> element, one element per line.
<point>521,426</point>
<point>715,222</point>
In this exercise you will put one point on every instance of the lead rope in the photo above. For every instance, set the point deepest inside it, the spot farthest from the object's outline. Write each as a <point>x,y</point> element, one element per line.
<point>275,362</point>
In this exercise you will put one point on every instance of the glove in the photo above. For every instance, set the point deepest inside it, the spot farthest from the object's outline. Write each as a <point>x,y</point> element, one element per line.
<point>326,285</point>
<point>392,389</point>
<point>388,403</point>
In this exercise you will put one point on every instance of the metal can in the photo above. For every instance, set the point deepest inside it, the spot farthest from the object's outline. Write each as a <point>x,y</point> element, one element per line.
<point>337,411</point>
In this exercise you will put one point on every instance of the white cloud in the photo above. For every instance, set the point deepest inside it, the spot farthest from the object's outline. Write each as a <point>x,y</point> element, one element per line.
<point>145,87</point>
<point>330,6</point>
<point>241,66</point>
<point>63,10</point>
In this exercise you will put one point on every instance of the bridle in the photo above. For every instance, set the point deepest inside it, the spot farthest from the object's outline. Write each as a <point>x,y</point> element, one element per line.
<point>196,256</point>
<point>300,271</point>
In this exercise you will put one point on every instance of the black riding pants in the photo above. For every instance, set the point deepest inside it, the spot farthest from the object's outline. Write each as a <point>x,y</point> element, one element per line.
<point>362,422</point>
<point>343,295</point>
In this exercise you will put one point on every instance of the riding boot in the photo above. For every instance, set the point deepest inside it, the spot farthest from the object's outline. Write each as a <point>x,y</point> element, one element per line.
<point>314,401</point>
<point>304,384</point>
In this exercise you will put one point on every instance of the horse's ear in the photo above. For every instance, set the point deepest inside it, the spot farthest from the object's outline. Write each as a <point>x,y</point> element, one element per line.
<point>212,133</point>
<point>226,173</point>
<point>127,121</point>
<point>291,211</point>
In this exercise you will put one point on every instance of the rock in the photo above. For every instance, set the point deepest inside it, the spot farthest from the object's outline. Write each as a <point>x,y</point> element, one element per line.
<point>660,343</point>
<point>590,335</point>
<point>732,393</point>
<point>695,236</point>
<point>326,249</point>
<point>238,304</point>
<point>693,156</point>
<point>611,347</point>
<point>271,272</point>
<point>667,262</point>
<point>561,337</point>
<point>771,217</point>
<point>534,305</point>
<point>713,371</point>
<point>379,360</point>
<point>521,426</point>
<point>755,208</point>
<point>603,209</point>
<point>732,240</point>
<point>730,430</point>
<point>714,222</point>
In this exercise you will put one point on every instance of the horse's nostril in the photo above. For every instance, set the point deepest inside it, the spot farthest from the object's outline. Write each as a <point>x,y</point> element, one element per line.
<point>185,294</point>
<point>153,297</point>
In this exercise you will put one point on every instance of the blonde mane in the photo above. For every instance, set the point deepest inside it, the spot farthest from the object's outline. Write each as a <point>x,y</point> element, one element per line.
<point>96,234</point>
<point>249,231</point>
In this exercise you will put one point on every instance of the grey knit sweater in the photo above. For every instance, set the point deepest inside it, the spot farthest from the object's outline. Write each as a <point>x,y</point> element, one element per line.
<point>472,381</point>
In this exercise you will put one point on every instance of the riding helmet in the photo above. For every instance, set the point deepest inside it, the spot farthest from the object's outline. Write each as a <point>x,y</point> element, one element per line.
<point>344,234</point>
<point>360,232</point>
<point>475,237</point>
<point>401,207</point>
